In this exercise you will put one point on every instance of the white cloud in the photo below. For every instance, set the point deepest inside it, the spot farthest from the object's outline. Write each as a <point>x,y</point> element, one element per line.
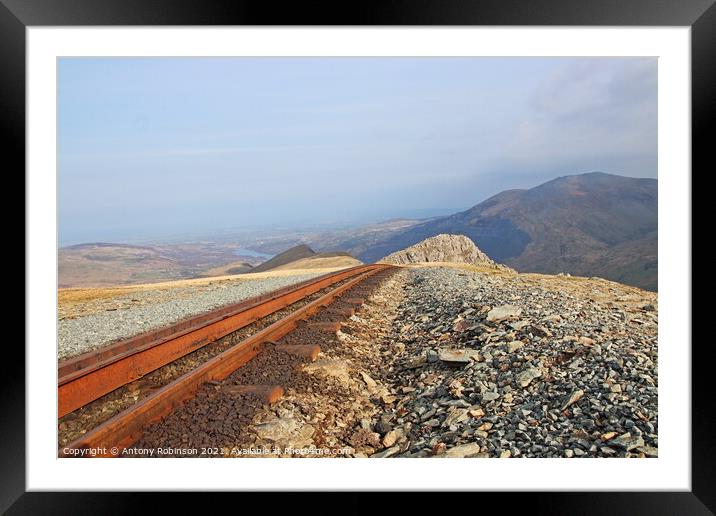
<point>594,111</point>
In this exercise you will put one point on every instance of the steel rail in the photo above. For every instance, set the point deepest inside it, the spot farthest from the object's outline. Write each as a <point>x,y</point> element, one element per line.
<point>126,427</point>
<point>89,376</point>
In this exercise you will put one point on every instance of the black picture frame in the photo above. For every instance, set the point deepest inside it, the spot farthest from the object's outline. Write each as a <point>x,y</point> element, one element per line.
<point>700,15</point>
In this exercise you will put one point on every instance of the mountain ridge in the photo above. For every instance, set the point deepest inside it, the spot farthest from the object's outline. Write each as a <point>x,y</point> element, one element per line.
<point>592,224</point>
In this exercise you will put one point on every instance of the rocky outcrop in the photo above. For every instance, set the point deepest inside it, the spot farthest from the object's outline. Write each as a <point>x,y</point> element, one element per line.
<point>441,248</point>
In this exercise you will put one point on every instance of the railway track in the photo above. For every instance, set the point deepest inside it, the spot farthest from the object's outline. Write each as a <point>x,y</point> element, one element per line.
<point>89,377</point>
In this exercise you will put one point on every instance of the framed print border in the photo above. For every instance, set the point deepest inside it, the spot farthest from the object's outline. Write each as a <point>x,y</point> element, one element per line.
<point>700,15</point>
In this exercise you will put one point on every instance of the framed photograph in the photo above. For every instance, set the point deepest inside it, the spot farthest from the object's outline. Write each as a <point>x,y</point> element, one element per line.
<point>432,247</point>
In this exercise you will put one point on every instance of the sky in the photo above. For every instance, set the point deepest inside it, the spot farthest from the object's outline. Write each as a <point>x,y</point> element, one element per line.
<point>155,147</point>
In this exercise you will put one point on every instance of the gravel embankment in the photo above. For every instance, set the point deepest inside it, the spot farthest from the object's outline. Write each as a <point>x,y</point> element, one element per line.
<point>142,312</point>
<point>508,365</point>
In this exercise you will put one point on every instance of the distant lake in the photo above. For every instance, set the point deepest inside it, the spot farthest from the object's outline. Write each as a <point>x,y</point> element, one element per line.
<point>253,254</point>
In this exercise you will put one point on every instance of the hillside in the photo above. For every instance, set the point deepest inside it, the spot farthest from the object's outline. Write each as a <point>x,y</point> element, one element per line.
<point>102,264</point>
<point>290,255</point>
<point>321,261</point>
<point>591,224</point>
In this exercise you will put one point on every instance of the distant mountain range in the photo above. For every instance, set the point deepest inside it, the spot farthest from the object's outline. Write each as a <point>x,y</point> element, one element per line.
<point>592,224</point>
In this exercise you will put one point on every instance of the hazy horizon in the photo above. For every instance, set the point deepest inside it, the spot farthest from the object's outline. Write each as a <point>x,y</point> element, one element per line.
<point>167,146</point>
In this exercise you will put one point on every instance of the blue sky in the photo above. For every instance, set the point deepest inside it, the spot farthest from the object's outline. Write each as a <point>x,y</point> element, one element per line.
<point>155,147</point>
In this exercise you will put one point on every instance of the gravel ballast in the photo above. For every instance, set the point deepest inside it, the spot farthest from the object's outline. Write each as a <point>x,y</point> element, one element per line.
<point>82,334</point>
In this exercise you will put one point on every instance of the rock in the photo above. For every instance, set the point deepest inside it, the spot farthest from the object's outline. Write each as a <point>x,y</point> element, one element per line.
<point>416,362</point>
<point>525,377</point>
<point>580,434</point>
<point>627,442</point>
<point>456,387</point>
<point>439,448</point>
<point>455,416</point>
<point>370,383</point>
<point>460,403</point>
<point>649,451</point>
<point>503,312</point>
<point>329,367</point>
<point>518,325</point>
<point>460,326</point>
<point>429,414</point>
<point>386,453</point>
<point>540,331</point>
<point>573,398</point>
<point>390,438</point>
<point>364,437</point>
<point>387,399</point>
<point>459,356</point>
<point>441,248</point>
<point>490,396</point>
<point>382,427</point>
<point>505,454</point>
<point>432,356</point>
<point>464,450</point>
<point>284,429</point>
<point>476,413</point>
<point>514,346</point>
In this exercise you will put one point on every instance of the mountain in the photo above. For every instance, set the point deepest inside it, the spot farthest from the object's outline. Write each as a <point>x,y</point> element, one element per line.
<point>592,224</point>
<point>303,257</point>
<point>441,248</point>
<point>237,267</point>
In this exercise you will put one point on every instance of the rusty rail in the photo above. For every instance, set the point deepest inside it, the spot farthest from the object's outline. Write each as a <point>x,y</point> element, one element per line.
<point>127,426</point>
<point>89,376</point>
